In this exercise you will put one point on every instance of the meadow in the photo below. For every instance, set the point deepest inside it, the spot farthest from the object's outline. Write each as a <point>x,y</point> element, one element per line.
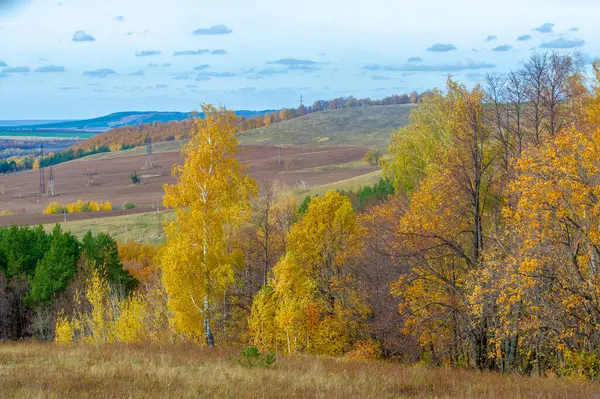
<point>188,371</point>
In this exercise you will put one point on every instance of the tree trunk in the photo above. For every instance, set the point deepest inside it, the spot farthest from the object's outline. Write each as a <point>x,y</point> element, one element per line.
<point>210,339</point>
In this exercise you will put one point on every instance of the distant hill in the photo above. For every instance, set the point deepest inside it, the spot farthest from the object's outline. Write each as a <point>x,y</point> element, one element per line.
<point>119,119</point>
<point>359,126</point>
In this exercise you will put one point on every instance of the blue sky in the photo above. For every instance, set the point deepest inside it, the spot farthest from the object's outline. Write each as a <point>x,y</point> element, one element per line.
<point>85,58</point>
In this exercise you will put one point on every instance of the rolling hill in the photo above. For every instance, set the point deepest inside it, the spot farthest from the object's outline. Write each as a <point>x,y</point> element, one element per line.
<point>118,119</point>
<point>360,126</point>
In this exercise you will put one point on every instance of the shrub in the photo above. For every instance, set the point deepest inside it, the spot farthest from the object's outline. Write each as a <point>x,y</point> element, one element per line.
<point>251,357</point>
<point>107,206</point>
<point>94,206</point>
<point>128,205</point>
<point>372,157</point>
<point>54,208</point>
<point>134,178</point>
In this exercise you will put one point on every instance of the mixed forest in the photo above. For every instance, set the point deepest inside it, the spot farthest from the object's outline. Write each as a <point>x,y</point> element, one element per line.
<point>481,251</point>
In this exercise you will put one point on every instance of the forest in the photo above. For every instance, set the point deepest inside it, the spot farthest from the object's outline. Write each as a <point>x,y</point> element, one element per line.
<point>481,251</point>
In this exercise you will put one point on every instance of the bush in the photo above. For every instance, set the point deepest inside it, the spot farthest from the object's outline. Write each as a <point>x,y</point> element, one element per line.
<point>134,178</point>
<point>372,157</point>
<point>54,208</point>
<point>106,207</point>
<point>251,357</point>
<point>128,205</point>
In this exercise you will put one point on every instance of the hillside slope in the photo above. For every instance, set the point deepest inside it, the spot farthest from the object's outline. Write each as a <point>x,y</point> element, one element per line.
<point>119,119</point>
<point>361,126</point>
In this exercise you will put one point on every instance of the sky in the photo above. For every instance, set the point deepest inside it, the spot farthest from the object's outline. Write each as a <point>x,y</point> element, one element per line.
<point>72,59</point>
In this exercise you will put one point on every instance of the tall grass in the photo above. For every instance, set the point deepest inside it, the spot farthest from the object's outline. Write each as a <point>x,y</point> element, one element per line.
<point>180,371</point>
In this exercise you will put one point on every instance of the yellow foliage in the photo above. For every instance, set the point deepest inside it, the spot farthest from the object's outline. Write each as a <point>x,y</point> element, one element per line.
<point>314,308</point>
<point>210,199</point>
<point>130,325</point>
<point>64,330</point>
<point>54,208</point>
<point>106,206</point>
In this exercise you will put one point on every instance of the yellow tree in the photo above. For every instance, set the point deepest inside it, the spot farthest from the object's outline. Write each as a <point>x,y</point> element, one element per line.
<point>210,199</point>
<point>441,235</point>
<point>415,146</point>
<point>316,309</point>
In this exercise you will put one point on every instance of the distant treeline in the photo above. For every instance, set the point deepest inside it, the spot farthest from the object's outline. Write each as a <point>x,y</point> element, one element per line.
<point>177,130</point>
<point>15,164</point>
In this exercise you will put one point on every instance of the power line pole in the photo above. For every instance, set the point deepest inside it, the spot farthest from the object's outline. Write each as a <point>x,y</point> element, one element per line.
<point>42,173</point>
<point>279,150</point>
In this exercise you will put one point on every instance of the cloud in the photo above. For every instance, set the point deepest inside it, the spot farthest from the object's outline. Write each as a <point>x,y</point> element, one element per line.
<point>99,73</point>
<point>304,68</point>
<point>50,69</point>
<point>147,53</point>
<point>153,65</point>
<point>139,72</point>
<point>380,77</point>
<point>563,43</point>
<point>213,30</point>
<point>2,64</point>
<point>545,28</point>
<point>191,86</point>
<point>184,76</point>
<point>475,76</point>
<point>166,65</point>
<point>504,47</point>
<point>81,36</point>
<point>21,69</point>
<point>191,52</point>
<point>415,59</point>
<point>120,18</point>
<point>456,67</point>
<point>216,74</point>
<point>523,38</point>
<point>201,67</point>
<point>442,48</point>
<point>268,72</point>
<point>377,67</point>
<point>101,91</point>
<point>160,86</point>
<point>4,75</point>
<point>490,38</point>
<point>66,88</point>
<point>574,29</point>
<point>218,52</point>
<point>292,62</point>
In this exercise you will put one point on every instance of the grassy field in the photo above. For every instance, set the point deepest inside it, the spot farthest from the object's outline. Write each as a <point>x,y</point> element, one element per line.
<point>178,371</point>
<point>365,126</point>
<point>146,228</point>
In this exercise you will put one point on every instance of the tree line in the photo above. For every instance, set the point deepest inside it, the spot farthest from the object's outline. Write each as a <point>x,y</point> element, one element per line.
<point>180,130</point>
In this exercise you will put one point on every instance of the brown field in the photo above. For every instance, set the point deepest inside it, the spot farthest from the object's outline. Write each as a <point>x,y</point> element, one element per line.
<point>114,184</point>
<point>180,371</point>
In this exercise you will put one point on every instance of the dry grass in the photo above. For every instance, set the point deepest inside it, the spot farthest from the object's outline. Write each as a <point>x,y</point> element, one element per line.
<point>49,370</point>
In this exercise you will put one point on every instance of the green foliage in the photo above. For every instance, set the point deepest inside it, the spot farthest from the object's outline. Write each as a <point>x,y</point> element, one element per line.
<point>102,252</point>
<point>368,196</point>
<point>134,178</point>
<point>251,357</point>
<point>57,268</point>
<point>303,208</point>
<point>21,248</point>
<point>128,205</point>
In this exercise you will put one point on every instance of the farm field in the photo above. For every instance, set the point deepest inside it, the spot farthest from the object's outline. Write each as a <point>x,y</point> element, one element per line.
<point>183,371</point>
<point>312,166</point>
